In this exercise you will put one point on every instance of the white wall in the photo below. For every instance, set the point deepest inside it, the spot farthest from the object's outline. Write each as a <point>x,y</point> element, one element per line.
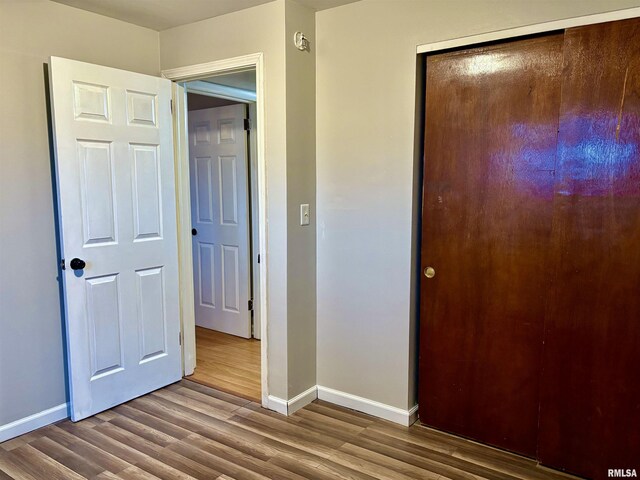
<point>365,103</point>
<point>32,377</point>
<point>301,188</point>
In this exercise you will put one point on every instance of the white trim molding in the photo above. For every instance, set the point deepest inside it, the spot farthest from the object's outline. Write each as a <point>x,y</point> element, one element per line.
<point>183,217</point>
<point>530,30</point>
<point>289,407</point>
<point>33,422</point>
<point>195,72</point>
<point>302,400</point>
<point>277,405</point>
<point>371,407</point>
<point>221,91</point>
<point>413,415</point>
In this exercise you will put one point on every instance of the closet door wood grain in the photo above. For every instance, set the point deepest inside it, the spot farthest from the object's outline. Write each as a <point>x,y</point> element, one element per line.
<point>590,395</point>
<point>490,146</point>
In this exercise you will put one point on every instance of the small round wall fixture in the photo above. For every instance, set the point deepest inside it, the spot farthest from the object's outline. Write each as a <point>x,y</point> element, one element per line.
<point>300,41</point>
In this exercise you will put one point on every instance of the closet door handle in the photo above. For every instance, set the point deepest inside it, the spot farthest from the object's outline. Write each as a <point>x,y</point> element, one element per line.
<point>429,272</point>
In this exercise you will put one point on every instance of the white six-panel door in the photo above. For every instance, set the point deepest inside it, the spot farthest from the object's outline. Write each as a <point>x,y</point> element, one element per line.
<point>219,214</point>
<point>116,199</point>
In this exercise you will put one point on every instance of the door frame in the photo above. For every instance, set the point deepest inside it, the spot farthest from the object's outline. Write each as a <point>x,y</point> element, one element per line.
<point>183,201</point>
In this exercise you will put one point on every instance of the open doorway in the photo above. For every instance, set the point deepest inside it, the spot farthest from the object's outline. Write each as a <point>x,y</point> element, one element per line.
<point>221,144</point>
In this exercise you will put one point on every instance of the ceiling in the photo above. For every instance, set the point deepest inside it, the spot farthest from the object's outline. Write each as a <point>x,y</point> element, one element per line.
<point>163,14</point>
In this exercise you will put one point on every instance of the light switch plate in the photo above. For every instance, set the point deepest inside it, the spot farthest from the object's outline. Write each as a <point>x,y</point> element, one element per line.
<point>304,214</point>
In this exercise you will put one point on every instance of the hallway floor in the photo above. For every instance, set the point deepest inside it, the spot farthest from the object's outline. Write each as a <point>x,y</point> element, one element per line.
<point>228,363</point>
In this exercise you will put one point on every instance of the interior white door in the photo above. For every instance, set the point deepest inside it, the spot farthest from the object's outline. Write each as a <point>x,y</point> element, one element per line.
<point>219,214</point>
<point>116,199</point>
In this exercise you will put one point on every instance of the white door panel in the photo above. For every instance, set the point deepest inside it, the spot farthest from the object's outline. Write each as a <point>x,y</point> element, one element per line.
<point>116,195</point>
<point>219,186</point>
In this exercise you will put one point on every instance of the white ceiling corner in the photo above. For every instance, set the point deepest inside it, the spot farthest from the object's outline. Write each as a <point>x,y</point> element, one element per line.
<point>163,14</point>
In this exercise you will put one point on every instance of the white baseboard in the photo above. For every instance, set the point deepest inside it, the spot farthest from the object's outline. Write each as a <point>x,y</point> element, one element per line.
<point>413,415</point>
<point>302,400</point>
<point>371,407</point>
<point>277,404</point>
<point>288,407</point>
<point>32,422</point>
<point>285,407</point>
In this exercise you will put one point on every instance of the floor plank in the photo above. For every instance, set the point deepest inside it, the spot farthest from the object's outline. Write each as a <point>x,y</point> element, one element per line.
<point>190,431</point>
<point>228,363</point>
<point>82,466</point>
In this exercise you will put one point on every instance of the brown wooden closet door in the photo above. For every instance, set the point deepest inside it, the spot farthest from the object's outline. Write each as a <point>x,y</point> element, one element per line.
<point>590,404</point>
<point>490,146</point>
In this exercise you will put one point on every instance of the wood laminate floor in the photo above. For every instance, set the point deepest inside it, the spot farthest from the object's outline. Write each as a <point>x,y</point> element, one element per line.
<point>228,363</point>
<point>188,430</point>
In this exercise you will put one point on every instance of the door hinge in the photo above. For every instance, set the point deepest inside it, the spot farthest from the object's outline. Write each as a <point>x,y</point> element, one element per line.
<point>62,265</point>
<point>247,124</point>
<point>171,105</point>
<point>258,258</point>
<point>250,305</point>
<point>180,338</point>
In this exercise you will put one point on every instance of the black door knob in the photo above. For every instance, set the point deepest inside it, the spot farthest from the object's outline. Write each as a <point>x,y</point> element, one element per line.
<point>77,264</point>
<point>194,231</point>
